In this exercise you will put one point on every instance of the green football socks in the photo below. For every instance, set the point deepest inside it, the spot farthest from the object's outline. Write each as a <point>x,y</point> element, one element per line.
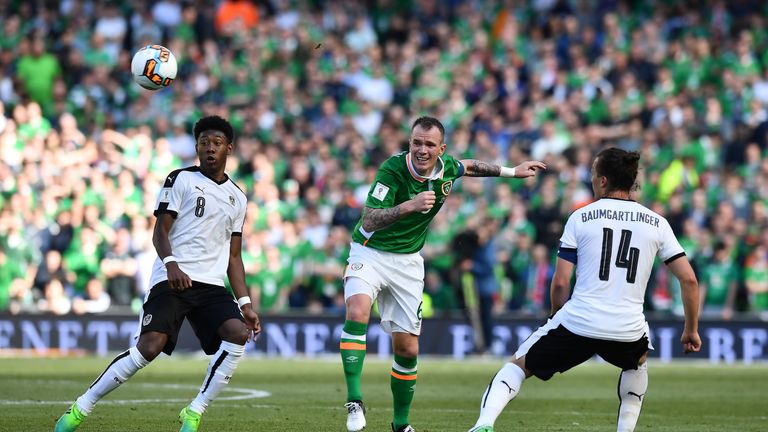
<point>352,348</point>
<point>403,384</point>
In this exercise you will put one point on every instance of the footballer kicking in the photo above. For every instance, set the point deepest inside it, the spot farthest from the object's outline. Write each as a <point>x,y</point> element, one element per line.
<point>200,214</point>
<point>612,243</point>
<point>385,264</point>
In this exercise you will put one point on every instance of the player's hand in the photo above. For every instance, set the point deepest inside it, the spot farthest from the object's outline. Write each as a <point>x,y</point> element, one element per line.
<point>529,168</point>
<point>177,279</point>
<point>424,201</point>
<point>691,341</point>
<point>252,321</point>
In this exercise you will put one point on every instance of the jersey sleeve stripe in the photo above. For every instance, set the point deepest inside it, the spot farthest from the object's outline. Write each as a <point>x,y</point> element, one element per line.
<point>163,208</point>
<point>237,234</point>
<point>674,257</point>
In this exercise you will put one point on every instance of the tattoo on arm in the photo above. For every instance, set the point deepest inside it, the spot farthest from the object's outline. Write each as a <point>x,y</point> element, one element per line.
<point>376,219</point>
<point>476,168</point>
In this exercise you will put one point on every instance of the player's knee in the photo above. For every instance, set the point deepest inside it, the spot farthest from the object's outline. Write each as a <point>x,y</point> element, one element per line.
<point>357,315</point>
<point>357,311</point>
<point>150,348</point>
<point>236,333</point>
<point>406,350</point>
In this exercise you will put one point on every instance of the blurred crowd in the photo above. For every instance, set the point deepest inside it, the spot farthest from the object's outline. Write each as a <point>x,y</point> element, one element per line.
<point>321,92</point>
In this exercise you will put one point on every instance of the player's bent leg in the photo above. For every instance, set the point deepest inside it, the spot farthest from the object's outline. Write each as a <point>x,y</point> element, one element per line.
<point>122,367</point>
<point>352,347</point>
<point>633,384</point>
<point>504,386</point>
<point>234,335</point>
<point>403,377</point>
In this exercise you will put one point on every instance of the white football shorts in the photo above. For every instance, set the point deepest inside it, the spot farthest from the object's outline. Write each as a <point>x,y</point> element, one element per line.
<point>396,281</point>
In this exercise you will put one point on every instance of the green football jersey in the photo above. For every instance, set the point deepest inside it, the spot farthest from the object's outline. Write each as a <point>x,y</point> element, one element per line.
<point>717,277</point>
<point>396,182</point>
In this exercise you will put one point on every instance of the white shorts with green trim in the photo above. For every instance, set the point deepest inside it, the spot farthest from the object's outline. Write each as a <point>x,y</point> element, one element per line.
<point>395,281</point>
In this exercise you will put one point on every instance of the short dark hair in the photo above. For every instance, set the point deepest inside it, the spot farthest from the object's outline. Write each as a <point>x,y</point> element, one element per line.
<point>428,123</point>
<point>214,122</point>
<point>619,166</point>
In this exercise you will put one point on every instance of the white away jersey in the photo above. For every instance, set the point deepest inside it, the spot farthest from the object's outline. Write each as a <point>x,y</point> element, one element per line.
<point>207,215</point>
<point>616,242</point>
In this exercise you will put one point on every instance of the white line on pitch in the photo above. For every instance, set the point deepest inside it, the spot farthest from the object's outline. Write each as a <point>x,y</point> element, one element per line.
<point>244,394</point>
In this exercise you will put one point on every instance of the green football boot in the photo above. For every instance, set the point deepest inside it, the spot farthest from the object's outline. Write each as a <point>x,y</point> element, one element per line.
<point>189,419</point>
<point>481,429</point>
<point>70,420</point>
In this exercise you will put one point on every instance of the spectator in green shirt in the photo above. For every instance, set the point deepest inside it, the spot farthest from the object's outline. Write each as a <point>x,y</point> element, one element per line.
<point>37,71</point>
<point>718,283</point>
<point>756,279</point>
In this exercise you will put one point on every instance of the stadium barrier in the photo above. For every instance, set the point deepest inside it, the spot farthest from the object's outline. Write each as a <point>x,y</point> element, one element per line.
<point>311,335</point>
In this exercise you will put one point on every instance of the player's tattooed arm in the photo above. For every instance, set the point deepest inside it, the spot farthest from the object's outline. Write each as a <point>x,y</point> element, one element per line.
<point>375,219</point>
<point>476,168</point>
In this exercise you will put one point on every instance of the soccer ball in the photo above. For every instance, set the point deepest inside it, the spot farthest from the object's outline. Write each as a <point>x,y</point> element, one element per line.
<point>154,67</point>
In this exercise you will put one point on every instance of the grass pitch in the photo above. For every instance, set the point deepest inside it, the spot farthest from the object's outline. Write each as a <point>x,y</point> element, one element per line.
<point>308,394</point>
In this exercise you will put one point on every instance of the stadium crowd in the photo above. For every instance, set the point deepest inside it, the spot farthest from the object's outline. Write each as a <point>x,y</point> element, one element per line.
<point>321,92</point>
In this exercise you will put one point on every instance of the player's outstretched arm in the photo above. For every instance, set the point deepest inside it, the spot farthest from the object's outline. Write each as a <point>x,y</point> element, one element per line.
<point>476,168</point>
<point>236,274</point>
<point>689,287</point>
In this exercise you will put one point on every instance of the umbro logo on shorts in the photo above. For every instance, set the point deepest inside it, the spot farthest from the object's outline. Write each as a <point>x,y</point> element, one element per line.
<point>356,266</point>
<point>147,319</point>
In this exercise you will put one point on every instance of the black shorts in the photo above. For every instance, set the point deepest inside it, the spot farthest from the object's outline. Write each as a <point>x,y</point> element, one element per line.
<point>559,349</point>
<point>205,306</point>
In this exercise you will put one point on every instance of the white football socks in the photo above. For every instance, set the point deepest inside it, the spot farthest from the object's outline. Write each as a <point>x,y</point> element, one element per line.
<point>220,370</point>
<point>122,367</point>
<point>632,387</point>
<point>503,388</point>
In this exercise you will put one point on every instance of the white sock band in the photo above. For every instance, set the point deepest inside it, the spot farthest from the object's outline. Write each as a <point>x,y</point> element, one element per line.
<point>119,371</point>
<point>632,387</point>
<point>220,370</point>
<point>502,389</point>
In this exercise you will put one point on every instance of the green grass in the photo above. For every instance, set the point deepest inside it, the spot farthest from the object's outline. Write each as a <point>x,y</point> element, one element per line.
<point>307,395</point>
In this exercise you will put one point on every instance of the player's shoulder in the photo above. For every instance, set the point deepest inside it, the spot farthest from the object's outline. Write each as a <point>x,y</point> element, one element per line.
<point>585,208</point>
<point>637,207</point>
<point>396,161</point>
<point>240,192</point>
<point>651,212</point>
<point>172,178</point>
<point>448,159</point>
<point>395,165</point>
<point>452,166</point>
<point>577,215</point>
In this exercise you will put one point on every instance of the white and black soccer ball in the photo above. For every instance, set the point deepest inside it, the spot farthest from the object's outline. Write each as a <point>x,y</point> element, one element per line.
<point>154,67</point>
